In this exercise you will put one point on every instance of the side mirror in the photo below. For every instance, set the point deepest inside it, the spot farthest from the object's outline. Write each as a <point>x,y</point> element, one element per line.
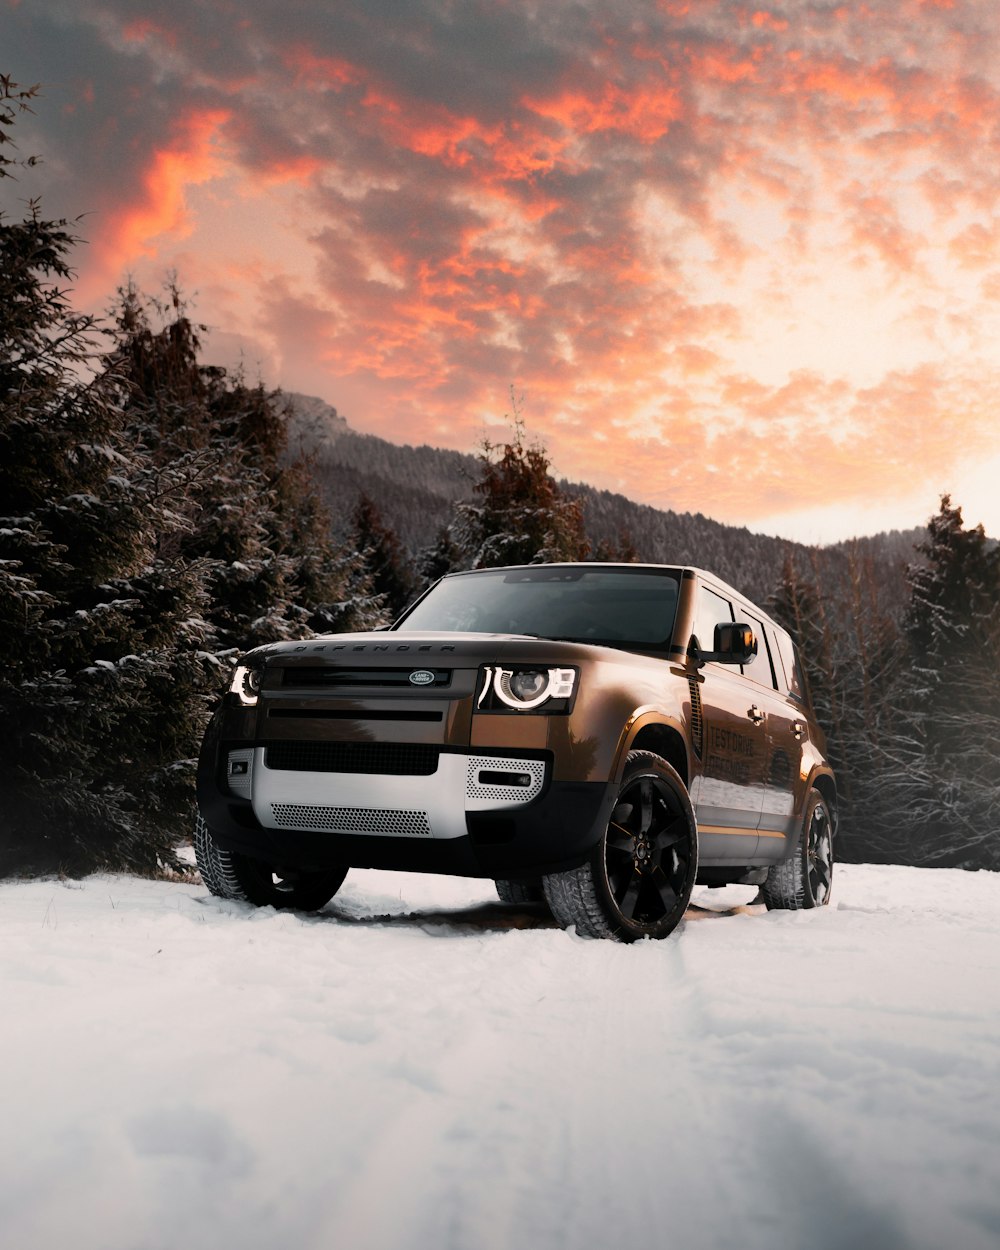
<point>734,644</point>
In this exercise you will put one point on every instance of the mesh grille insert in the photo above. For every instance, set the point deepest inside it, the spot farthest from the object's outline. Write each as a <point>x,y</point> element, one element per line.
<point>382,678</point>
<point>401,824</point>
<point>487,774</point>
<point>354,714</point>
<point>397,759</point>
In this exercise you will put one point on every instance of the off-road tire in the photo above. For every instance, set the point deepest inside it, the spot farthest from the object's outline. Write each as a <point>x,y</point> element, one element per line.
<point>522,892</point>
<point>228,874</point>
<point>638,880</point>
<point>805,879</point>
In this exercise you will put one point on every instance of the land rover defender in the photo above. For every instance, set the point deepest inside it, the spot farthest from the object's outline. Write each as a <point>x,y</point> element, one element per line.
<point>594,737</point>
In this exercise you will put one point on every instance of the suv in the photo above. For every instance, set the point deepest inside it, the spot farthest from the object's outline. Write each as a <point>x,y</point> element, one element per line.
<point>598,737</point>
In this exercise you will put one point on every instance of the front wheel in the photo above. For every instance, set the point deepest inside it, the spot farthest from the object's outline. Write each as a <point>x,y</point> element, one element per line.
<point>523,892</point>
<point>638,880</point>
<point>228,874</point>
<point>805,879</point>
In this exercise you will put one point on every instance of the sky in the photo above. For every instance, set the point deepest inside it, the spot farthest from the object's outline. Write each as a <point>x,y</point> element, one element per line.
<point>726,258</point>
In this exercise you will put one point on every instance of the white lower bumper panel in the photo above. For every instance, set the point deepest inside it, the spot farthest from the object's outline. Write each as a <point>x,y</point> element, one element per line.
<point>381,805</point>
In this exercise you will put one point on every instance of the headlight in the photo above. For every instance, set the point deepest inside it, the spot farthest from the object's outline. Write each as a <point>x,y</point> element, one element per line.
<point>246,684</point>
<point>528,684</point>
<point>525,689</point>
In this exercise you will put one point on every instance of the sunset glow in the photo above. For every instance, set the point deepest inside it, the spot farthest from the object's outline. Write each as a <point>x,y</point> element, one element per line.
<point>737,259</point>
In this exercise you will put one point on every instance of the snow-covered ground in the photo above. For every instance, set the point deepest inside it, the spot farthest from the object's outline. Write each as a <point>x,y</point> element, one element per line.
<point>419,1066</point>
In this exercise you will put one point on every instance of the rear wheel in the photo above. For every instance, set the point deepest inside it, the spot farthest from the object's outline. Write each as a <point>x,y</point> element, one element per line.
<point>805,879</point>
<point>638,880</point>
<point>228,874</point>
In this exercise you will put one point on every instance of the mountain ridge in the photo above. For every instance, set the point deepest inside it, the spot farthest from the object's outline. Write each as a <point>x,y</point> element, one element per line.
<point>416,487</point>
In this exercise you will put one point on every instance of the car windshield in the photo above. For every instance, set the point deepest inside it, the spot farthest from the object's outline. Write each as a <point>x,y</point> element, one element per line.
<point>620,606</point>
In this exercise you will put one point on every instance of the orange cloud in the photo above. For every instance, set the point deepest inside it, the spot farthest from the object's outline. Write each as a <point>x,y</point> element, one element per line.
<point>142,29</point>
<point>977,246</point>
<point>314,69</point>
<point>192,157</point>
<point>301,169</point>
<point>762,19</point>
<point>876,226</point>
<point>659,220</point>
<point>643,111</point>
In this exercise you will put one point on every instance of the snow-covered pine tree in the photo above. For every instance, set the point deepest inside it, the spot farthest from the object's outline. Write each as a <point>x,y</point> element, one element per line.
<point>621,552</point>
<point>869,659</point>
<point>104,685</point>
<point>444,556</point>
<point>389,567</point>
<point>520,515</point>
<point>252,511</point>
<point>851,657</point>
<point>796,603</point>
<point>951,757</point>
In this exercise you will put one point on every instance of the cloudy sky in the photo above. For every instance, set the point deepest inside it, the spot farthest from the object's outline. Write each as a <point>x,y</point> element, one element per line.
<point>739,260</point>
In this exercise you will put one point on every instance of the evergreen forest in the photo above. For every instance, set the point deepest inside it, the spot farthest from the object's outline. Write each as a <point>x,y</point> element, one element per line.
<point>158,515</point>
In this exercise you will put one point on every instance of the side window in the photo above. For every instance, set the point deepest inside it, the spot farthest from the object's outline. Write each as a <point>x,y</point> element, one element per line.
<point>712,610</point>
<point>762,668</point>
<point>790,664</point>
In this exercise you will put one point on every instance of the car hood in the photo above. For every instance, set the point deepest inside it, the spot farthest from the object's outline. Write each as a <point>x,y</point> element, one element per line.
<point>387,647</point>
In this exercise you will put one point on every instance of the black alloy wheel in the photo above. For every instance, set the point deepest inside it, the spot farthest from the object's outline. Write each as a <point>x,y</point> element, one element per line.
<point>649,852</point>
<point>819,855</point>
<point>228,874</point>
<point>805,878</point>
<point>268,885</point>
<point>638,881</point>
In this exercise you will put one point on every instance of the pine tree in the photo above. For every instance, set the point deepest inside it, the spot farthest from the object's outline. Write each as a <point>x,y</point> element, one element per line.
<point>849,652</point>
<point>389,568</point>
<point>445,556</point>
<point>520,516</point>
<point>951,755</point>
<point>103,692</point>
<point>622,552</point>
<point>797,604</point>
<point>154,524</point>
<point>253,512</point>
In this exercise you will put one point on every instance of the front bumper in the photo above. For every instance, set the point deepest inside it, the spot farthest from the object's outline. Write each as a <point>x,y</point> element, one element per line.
<point>476,814</point>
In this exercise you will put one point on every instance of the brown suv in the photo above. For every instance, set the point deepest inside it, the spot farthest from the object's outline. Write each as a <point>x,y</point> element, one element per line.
<point>595,736</point>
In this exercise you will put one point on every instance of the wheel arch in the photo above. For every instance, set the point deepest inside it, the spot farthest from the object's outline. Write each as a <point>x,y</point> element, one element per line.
<point>825,784</point>
<point>663,738</point>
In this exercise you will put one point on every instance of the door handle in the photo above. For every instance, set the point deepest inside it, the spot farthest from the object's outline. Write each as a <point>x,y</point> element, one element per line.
<point>798,730</point>
<point>755,714</point>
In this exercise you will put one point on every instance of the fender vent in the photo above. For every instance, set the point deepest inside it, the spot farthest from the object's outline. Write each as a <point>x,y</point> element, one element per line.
<point>361,820</point>
<point>697,720</point>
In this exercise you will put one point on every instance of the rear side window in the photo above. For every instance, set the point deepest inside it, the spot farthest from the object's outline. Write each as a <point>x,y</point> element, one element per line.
<point>790,664</point>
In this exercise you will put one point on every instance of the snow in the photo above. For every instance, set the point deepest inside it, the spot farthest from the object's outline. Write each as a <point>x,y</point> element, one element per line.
<point>420,1066</point>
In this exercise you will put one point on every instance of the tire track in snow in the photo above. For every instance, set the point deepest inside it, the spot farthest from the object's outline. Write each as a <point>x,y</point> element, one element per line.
<point>579,1145</point>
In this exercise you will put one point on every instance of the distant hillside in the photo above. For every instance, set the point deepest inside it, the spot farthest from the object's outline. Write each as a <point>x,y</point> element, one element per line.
<point>416,488</point>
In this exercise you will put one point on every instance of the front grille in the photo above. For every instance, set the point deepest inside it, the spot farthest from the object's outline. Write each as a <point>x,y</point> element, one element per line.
<point>356,714</point>
<point>375,678</point>
<point>398,759</point>
<point>402,824</point>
